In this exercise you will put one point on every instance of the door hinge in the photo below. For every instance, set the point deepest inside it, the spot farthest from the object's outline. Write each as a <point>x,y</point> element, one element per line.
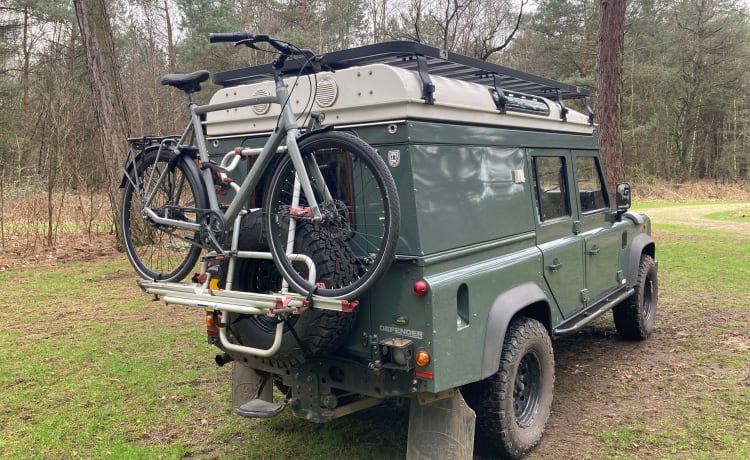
<point>577,227</point>
<point>585,296</point>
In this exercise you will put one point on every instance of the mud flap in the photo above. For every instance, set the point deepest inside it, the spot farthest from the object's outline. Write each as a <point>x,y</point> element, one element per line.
<point>442,428</point>
<point>245,384</point>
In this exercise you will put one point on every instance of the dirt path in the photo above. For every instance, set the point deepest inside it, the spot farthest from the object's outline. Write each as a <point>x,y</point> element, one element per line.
<point>695,216</point>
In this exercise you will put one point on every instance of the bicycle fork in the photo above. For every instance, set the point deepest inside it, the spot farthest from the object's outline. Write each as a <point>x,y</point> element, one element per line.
<point>311,166</point>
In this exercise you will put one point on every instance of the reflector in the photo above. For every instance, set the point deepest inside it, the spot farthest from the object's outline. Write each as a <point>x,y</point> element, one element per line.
<point>420,288</point>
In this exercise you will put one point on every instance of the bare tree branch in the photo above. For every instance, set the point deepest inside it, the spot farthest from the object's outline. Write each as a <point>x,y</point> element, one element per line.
<point>510,36</point>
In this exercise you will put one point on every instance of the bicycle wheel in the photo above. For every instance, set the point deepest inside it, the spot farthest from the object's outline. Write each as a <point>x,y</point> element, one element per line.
<point>363,218</point>
<point>159,252</point>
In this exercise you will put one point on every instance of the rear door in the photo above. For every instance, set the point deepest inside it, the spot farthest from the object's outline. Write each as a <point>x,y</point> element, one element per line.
<point>558,228</point>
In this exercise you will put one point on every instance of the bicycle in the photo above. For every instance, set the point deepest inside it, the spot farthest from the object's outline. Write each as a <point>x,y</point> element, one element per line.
<point>171,211</point>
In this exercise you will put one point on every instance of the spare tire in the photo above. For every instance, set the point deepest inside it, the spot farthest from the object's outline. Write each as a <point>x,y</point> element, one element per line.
<point>318,331</point>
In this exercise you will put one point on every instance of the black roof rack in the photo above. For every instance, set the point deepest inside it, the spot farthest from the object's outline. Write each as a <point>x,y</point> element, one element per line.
<point>427,61</point>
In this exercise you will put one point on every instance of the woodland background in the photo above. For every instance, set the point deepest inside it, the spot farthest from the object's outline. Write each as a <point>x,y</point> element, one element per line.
<point>685,103</point>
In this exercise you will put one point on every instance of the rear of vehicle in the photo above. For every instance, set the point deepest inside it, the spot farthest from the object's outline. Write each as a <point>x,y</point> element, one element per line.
<point>508,237</point>
<point>467,225</point>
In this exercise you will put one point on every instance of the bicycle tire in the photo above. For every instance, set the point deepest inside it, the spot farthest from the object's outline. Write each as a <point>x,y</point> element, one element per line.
<point>158,252</point>
<point>364,215</point>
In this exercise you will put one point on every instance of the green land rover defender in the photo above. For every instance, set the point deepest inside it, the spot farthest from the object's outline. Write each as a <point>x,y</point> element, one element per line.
<point>508,238</point>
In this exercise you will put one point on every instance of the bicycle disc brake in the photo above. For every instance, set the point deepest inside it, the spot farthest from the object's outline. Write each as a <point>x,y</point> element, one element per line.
<point>213,230</point>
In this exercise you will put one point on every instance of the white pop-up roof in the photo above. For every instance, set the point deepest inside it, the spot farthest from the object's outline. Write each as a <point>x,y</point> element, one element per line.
<point>399,81</point>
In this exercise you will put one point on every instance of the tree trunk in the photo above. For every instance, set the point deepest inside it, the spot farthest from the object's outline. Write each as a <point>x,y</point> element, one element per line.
<point>610,44</point>
<point>106,89</point>
<point>172,124</point>
<point>23,152</point>
<point>171,55</point>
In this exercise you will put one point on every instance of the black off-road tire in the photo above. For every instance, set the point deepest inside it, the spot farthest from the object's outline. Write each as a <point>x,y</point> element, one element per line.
<point>635,318</point>
<point>512,406</point>
<point>319,331</point>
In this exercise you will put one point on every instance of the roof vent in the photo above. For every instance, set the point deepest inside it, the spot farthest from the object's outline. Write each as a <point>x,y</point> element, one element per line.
<point>261,109</point>
<point>327,92</point>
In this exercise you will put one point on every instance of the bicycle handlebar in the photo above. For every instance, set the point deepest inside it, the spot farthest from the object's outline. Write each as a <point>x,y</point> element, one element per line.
<point>251,39</point>
<point>229,37</point>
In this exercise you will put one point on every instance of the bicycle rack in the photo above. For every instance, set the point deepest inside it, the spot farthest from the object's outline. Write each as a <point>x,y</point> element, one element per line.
<point>279,305</point>
<point>245,303</point>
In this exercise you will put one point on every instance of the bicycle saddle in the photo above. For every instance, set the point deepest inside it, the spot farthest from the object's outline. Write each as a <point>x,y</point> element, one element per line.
<point>188,82</point>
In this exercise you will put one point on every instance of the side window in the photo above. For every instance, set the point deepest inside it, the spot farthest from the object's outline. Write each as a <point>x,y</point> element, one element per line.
<point>551,189</point>
<point>591,190</point>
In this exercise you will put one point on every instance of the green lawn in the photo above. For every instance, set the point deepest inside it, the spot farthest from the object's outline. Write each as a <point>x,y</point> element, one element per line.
<point>91,368</point>
<point>735,215</point>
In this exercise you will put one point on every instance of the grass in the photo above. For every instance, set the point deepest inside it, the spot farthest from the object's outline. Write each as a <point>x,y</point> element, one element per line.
<point>644,205</point>
<point>735,215</point>
<point>717,261</point>
<point>69,227</point>
<point>91,368</point>
<point>80,379</point>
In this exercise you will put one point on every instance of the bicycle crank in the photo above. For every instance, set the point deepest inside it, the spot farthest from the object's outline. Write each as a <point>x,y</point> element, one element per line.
<point>213,230</point>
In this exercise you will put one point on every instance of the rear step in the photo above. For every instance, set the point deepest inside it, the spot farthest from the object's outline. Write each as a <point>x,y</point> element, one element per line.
<point>258,408</point>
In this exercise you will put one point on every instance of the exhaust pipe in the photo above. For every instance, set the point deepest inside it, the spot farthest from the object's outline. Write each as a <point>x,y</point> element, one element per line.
<point>223,359</point>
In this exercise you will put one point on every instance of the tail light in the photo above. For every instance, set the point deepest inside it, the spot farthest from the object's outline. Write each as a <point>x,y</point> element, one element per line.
<point>213,319</point>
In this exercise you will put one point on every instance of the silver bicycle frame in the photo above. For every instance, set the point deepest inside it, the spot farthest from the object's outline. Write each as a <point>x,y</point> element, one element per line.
<point>285,133</point>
